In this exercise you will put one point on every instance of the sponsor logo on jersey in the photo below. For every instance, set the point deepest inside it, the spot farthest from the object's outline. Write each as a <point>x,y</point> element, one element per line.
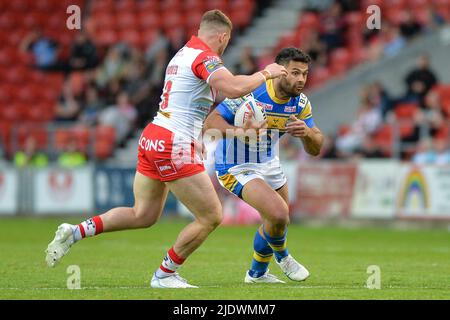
<point>290,108</point>
<point>264,106</point>
<point>212,63</point>
<point>148,145</point>
<point>172,69</point>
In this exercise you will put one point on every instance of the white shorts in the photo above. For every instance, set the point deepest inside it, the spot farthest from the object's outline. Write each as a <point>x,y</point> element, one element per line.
<point>235,178</point>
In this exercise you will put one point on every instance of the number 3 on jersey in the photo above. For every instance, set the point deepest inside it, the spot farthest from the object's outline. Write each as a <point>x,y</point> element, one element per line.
<point>165,100</point>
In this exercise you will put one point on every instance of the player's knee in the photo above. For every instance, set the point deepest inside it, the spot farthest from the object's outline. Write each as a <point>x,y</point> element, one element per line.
<point>279,215</point>
<point>213,219</point>
<point>144,218</point>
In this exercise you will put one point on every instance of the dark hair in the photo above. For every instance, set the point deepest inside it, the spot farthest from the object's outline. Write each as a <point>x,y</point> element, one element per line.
<point>292,54</point>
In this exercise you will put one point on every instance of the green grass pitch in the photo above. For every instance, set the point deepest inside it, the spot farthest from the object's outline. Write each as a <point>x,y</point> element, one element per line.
<point>414,264</point>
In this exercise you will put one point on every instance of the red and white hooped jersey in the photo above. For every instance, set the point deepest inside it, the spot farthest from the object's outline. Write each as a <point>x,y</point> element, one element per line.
<point>187,97</point>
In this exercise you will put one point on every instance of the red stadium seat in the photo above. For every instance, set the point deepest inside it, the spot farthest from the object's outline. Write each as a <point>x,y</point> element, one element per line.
<point>309,21</point>
<point>13,112</point>
<point>126,21</point>
<point>83,136</point>
<point>340,60</point>
<point>405,111</point>
<point>123,6</point>
<point>318,77</point>
<point>168,6</point>
<point>222,5</point>
<point>173,20</point>
<point>104,142</point>
<point>384,139</point>
<point>105,21</point>
<point>5,134</point>
<point>194,6</point>
<point>106,37</point>
<point>446,106</point>
<point>132,37</point>
<point>149,20</point>
<point>240,18</point>
<point>38,132</point>
<point>62,137</point>
<point>148,5</point>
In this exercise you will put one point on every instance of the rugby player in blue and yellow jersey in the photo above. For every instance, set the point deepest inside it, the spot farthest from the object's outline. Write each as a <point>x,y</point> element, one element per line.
<point>253,171</point>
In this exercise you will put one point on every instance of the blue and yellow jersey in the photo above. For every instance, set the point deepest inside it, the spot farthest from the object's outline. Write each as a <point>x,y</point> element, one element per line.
<point>232,151</point>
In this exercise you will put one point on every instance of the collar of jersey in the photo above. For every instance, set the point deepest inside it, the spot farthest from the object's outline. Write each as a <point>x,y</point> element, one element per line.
<point>271,92</point>
<point>197,43</point>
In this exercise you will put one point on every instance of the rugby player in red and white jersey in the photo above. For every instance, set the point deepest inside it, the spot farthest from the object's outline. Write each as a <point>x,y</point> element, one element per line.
<point>168,152</point>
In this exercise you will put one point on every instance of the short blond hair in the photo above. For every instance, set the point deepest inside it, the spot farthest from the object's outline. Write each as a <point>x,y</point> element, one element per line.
<point>216,18</point>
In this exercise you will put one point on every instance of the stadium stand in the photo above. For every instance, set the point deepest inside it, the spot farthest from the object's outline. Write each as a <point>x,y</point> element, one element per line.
<point>125,46</point>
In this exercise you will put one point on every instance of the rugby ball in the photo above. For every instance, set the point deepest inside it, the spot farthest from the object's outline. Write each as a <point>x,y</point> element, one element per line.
<point>245,109</point>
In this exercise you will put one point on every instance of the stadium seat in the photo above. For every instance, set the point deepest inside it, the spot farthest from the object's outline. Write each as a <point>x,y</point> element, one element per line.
<point>39,132</point>
<point>123,6</point>
<point>218,4</point>
<point>132,37</point>
<point>5,134</point>
<point>405,111</point>
<point>340,60</point>
<point>384,139</point>
<point>126,21</point>
<point>148,5</point>
<point>309,21</point>
<point>149,20</point>
<point>318,77</point>
<point>104,142</point>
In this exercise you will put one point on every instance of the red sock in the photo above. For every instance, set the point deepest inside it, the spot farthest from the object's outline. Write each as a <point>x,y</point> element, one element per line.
<point>170,264</point>
<point>89,228</point>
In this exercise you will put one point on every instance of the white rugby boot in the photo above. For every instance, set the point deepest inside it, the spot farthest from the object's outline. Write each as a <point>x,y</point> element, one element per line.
<point>173,281</point>
<point>60,245</point>
<point>292,269</point>
<point>265,278</point>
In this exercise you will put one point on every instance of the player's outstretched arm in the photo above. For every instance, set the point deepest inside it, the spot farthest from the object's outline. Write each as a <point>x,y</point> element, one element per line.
<point>232,86</point>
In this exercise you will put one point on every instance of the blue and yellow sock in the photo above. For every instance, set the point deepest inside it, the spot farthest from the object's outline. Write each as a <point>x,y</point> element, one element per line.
<point>261,256</point>
<point>278,245</point>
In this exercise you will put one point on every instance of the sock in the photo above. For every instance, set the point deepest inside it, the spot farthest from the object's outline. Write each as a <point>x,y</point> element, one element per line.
<point>278,245</point>
<point>262,255</point>
<point>88,228</point>
<point>170,264</point>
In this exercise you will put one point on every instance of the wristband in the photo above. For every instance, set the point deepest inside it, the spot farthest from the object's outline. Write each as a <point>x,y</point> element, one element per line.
<point>266,74</point>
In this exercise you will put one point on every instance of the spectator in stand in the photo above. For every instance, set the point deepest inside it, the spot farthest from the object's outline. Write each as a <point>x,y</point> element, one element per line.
<point>161,43</point>
<point>83,54</point>
<point>30,156</point>
<point>394,42</point>
<point>434,19</point>
<point>442,151</point>
<point>328,150</point>
<point>247,62</point>
<point>45,51</point>
<point>71,157</point>
<point>111,68</point>
<point>367,121</point>
<point>380,97</point>
<point>313,46</point>
<point>91,108</point>
<point>433,115</point>
<point>369,149</point>
<point>425,153</point>
<point>68,108</point>
<point>121,116</point>
<point>409,27</point>
<point>420,80</point>
<point>332,26</point>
